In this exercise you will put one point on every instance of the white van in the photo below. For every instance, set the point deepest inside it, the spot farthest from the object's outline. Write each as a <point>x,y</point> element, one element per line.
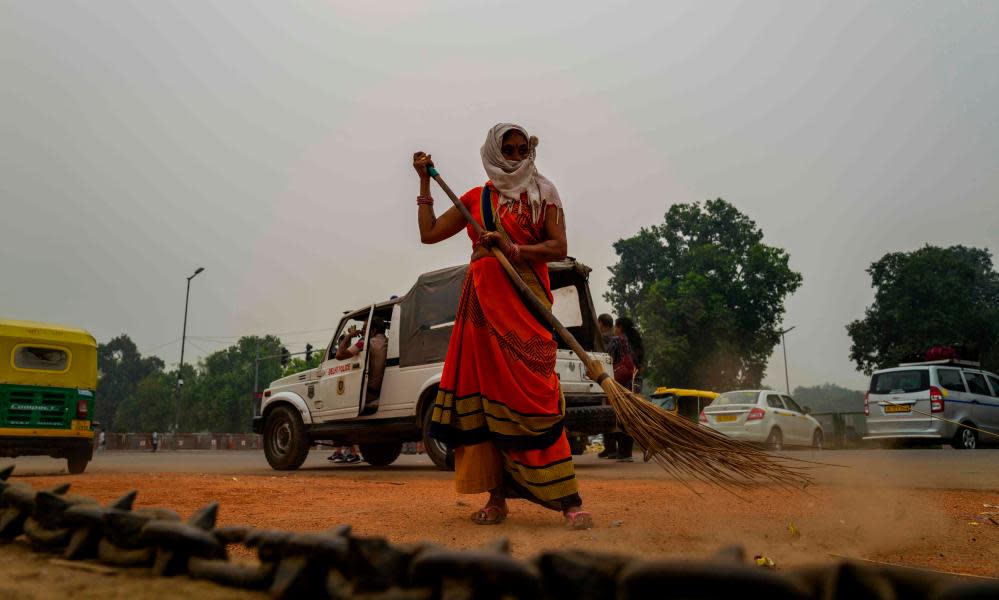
<point>927,400</point>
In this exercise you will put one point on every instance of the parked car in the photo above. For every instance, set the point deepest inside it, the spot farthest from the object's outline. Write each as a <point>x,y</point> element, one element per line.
<point>325,404</point>
<point>763,417</point>
<point>926,401</point>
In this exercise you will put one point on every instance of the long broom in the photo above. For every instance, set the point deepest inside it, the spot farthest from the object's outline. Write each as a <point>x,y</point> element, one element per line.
<point>678,445</point>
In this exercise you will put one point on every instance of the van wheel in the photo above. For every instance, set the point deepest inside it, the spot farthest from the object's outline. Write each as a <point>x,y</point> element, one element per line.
<point>285,444</point>
<point>817,440</point>
<point>77,463</point>
<point>965,439</point>
<point>438,452</point>
<point>775,441</point>
<point>380,455</point>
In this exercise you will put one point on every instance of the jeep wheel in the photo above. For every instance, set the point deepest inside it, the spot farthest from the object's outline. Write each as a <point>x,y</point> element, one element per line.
<point>76,463</point>
<point>380,455</point>
<point>438,452</point>
<point>285,443</point>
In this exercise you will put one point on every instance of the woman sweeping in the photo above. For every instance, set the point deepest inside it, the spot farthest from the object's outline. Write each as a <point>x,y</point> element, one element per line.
<point>500,405</point>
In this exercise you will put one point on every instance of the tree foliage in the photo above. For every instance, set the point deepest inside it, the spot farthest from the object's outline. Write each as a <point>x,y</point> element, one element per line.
<point>707,293</point>
<point>151,407</point>
<point>829,397</point>
<point>135,393</point>
<point>222,394</point>
<point>299,364</point>
<point>929,297</point>
<point>120,368</point>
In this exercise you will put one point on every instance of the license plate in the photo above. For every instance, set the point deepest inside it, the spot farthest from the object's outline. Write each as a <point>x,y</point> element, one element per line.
<point>898,408</point>
<point>725,418</point>
<point>76,425</point>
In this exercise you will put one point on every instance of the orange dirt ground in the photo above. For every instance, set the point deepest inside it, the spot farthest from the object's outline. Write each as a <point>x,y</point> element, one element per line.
<point>642,517</point>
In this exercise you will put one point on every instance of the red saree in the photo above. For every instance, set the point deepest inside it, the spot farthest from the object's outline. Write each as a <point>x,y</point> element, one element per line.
<point>500,404</point>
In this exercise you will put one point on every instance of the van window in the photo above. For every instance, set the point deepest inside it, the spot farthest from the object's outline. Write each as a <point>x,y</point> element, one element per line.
<point>902,382</point>
<point>40,359</point>
<point>976,383</point>
<point>950,379</point>
<point>995,385</point>
<point>774,401</point>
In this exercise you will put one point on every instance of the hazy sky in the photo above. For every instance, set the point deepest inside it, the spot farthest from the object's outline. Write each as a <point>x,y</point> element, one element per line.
<point>270,142</point>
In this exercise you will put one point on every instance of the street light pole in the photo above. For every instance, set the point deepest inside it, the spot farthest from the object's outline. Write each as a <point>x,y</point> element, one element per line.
<point>783,344</point>
<point>183,341</point>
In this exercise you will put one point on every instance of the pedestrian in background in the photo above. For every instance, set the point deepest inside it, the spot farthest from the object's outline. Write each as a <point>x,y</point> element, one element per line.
<point>627,354</point>
<point>605,323</point>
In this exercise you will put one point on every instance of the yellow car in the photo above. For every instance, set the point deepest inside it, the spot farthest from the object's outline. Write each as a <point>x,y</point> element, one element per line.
<point>48,378</point>
<point>686,403</point>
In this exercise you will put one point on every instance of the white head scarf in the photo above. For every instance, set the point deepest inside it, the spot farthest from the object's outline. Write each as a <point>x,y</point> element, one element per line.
<point>513,178</point>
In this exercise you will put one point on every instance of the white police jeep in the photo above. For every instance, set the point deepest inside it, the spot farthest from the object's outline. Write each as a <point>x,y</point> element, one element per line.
<point>324,404</point>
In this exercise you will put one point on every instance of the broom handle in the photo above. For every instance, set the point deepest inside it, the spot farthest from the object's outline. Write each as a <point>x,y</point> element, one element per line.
<point>525,292</point>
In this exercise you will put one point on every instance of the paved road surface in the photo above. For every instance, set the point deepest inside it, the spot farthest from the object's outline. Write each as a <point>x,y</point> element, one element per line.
<point>924,468</point>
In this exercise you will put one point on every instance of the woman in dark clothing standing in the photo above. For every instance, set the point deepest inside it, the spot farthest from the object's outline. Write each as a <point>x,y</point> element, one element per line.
<point>626,327</point>
<point>626,351</point>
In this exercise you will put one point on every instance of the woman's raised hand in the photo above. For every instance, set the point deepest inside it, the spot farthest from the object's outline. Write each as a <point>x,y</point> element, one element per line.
<point>421,161</point>
<point>492,239</point>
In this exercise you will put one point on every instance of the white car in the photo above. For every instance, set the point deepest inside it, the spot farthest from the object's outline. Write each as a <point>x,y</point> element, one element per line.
<point>763,417</point>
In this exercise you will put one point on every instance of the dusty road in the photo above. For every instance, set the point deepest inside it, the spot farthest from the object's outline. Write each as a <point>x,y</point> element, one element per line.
<point>913,507</point>
<point>938,469</point>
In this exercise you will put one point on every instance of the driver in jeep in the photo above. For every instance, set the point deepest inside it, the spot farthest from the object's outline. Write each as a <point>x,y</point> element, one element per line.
<point>377,352</point>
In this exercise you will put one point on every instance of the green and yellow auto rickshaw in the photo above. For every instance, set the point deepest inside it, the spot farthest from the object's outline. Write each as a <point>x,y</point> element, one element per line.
<point>48,377</point>
<point>686,403</point>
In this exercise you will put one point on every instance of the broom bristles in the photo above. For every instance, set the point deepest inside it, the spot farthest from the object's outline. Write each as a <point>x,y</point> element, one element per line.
<point>684,448</point>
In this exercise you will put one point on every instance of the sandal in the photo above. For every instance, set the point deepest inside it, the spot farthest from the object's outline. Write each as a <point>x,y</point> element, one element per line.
<point>485,515</point>
<point>579,519</point>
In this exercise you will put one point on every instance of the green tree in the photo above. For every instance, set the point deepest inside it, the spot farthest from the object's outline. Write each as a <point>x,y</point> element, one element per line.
<point>829,397</point>
<point>299,364</point>
<point>221,398</point>
<point>120,369</point>
<point>151,407</point>
<point>707,293</point>
<point>929,297</point>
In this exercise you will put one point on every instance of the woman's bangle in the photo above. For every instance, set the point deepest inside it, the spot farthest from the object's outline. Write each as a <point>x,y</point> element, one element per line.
<point>514,252</point>
<point>428,200</point>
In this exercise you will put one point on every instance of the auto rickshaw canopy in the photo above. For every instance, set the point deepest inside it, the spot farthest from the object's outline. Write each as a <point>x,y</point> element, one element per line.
<point>75,349</point>
<point>663,391</point>
<point>683,402</point>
